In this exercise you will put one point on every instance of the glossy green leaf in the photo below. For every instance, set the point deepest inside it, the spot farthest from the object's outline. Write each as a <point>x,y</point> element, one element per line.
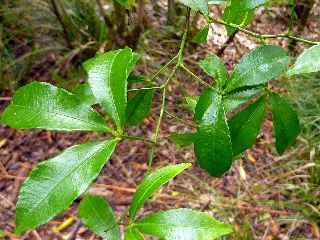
<point>128,4</point>
<point>285,123</point>
<point>215,68</point>
<point>234,100</point>
<point>183,224</point>
<point>152,183</point>
<point>212,145</point>
<point>139,107</point>
<point>192,103</point>
<point>234,14</point>
<point>54,184</point>
<point>197,5</point>
<point>98,216</point>
<point>41,105</point>
<point>201,36</point>
<point>84,93</point>
<point>245,126</point>
<point>258,67</point>
<point>183,139</point>
<point>107,76</point>
<point>307,62</point>
<point>207,107</point>
<point>133,233</point>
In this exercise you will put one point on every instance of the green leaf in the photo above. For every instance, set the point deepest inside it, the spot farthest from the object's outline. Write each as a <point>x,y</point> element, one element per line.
<point>183,224</point>
<point>234,100</point>
<point>183,139</point>
<point>152,183</point>
<point>107,76</point>
<point>136,79</point>
<point>139,107</point>
<point>197,5</point>
<point>242,5</point>
<point>84,93</point>
<point>207,107</point>
<point>128,4</point>
<point>307,62</point>
<point>54,184</point>
<point>201,36</point>
<point>285,123</point>
<point>191,103</point>
<point>133,233</point>
<point>2,233</point>
<point>258,67</point>
<point>41,105</point>
<point>245,126</point>
<point>212,145</point>
<point>215,68</point>
<point>98,216</point>
<point>217,2</point>
<point>234,13</point>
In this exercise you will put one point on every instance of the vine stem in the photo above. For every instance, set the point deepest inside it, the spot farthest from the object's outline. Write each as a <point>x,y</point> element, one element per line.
<point>261,36</point>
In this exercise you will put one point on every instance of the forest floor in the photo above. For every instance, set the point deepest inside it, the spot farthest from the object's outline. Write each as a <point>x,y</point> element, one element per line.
<point>262,195</point>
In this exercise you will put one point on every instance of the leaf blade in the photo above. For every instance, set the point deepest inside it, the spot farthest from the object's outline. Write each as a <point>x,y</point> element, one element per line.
<point>307,62</point>
<point>182,139</point>
<point>133,233</point>
<point>184,224</point>
<point>213,147</point>
<point>54,184</point>
<point>245,126</point>
<point>285,123</point>
<point>152,183</point>
<point>139,107</point>
<point>41,105</point>
<point>98,216</point>
<point>214,67</point>
<point>197,5</point>
<point>84,93</point>
<point>258,67</point>
<point>234,100</point>
<point>107,76</point>
<point>201,36</point>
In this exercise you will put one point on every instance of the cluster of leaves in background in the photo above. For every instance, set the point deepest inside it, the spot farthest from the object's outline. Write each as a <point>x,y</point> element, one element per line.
<point>219,140</point>
<point>224,130</point>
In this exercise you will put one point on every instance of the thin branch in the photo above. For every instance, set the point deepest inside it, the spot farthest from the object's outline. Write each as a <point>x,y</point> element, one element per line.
<point>195,76</point>
<point>179,56</point>
<point>262,36</point>
<point>145,88</point>
<point>129,137</point>
<point>180,119</point>
<point>164,67</point>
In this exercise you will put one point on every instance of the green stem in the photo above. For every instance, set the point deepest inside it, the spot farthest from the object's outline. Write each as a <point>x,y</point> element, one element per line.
<point>195,76</point>
<point>145,88</point>
<point>261,36</point>
<point>129,137</point>
<point>164,67</point>
<point>180,119</point>
<point>164,90</point>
